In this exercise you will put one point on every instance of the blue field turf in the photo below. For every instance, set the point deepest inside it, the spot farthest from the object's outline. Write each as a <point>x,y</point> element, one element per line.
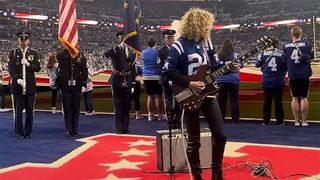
<point>48,142</point>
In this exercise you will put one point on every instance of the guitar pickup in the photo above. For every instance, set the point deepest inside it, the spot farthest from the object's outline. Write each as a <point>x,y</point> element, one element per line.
<point>183,95</point>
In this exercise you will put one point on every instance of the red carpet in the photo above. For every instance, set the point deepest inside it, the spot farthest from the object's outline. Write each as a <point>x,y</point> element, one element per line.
<point>114,157</point>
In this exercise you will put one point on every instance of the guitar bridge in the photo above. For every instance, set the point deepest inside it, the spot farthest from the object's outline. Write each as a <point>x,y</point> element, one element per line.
<point>183,95</point>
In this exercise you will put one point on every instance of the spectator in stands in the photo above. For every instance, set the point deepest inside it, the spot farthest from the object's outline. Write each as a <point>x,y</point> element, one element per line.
<point>274,68</point>
<point>52,70</point>
<point>151,73</point>
<point>229,83</point>
<point>298,54</point>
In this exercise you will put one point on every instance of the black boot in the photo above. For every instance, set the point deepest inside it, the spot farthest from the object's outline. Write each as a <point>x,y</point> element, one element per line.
<point>193,157</point>
<point>217,156</point>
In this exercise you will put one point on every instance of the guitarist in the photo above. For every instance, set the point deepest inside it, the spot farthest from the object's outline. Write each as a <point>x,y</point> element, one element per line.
<point>186,55</point>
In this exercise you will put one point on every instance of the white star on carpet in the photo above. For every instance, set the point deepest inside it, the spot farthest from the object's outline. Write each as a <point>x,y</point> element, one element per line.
<point>141,143</point>
<point>123,164</point>
<point>133,152</point>
<point>113,177</point>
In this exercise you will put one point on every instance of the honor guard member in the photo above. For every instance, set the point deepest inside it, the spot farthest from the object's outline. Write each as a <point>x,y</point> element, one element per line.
<point>164,51</point>
<point>23,63</point>
<point>274,68</point>
<point>121,83</point>
<point>71,79</point>
<point>173,111</point>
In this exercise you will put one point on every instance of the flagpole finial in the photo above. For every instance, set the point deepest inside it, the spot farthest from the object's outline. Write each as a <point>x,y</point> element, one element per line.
<point>125,5</point>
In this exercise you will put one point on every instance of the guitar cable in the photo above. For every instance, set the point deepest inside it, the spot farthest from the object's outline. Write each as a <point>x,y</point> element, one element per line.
<point>184,143</point>
<point>262,169</point>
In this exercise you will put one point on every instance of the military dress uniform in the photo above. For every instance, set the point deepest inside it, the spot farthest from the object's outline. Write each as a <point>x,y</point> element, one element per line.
<point>72,78</point>
<point>173,111</point>
<point>23,101</point>
<point>121,83</point>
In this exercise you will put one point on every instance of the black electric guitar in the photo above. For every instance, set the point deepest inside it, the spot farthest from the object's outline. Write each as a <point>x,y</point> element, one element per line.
<point>191,101</point>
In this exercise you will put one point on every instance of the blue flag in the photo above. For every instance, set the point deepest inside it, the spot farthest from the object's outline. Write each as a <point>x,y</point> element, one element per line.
<point>132,15</point>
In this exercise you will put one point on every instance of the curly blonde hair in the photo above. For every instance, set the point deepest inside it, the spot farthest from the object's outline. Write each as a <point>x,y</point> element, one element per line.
<point>196,24</point>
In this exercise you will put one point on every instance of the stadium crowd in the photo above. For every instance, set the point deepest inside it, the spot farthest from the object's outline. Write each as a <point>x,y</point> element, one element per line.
<point>94,40</point>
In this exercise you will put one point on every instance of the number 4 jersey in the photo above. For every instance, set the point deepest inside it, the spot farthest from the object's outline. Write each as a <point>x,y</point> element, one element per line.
<point>298,55</point>
<point>274,68</point>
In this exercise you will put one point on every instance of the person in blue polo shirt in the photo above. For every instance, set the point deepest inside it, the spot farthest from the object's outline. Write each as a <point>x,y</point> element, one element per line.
<point>298,54</point>
<point>151,72</point>
<point>274,68</point>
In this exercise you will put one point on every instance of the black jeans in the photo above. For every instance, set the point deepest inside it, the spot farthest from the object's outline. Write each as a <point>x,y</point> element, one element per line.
<point>276,94</point>
<point>71,109</point>
<point>136,96</point>
<point>87,100</point>
<point>54,94</point>
<point>232,90</point>
<point>23,102</point>
<point>211,112</point>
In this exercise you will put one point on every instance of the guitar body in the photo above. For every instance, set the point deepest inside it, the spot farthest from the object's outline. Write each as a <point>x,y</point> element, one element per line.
<point>186,98</point>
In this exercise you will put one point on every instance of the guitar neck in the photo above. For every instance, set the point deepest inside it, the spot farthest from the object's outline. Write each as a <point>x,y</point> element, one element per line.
<point>241,59</point>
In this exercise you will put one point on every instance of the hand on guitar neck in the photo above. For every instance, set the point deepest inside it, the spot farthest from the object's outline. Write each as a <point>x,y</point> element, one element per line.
<point>196,86</point>
<point>236,67</point>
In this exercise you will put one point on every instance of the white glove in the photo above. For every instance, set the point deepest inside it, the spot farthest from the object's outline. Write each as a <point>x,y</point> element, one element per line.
<point>132,90</point>
<point>20,82</point>
<point>25,62</point>
<point>83,89</point>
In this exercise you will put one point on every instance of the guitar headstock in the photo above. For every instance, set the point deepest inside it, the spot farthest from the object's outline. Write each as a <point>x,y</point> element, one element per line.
<point>263,44</point>
<point>267,42</point>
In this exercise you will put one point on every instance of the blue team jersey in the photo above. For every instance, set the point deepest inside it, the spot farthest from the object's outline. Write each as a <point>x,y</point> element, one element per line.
<point>274,68</point>
<point>298,55</point>
<point>151,64</point>
<point>186,56</point>
<point>232,77</point>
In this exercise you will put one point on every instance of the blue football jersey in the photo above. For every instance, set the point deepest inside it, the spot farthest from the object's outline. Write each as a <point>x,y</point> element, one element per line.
<point>232,77</point>
<point>186,56</point>
<point>298,55</point>
<point>274,68</point>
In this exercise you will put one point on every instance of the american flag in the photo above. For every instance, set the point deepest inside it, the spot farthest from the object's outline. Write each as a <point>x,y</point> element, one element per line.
<point>68,27</point>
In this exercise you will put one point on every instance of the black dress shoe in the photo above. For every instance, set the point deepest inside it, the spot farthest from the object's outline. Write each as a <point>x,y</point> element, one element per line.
<point>126,132</point>
<point>68,134</point>
<point>74,134</point>
<point>119,132</point>
<point>27,136</point>
<point>21,136</point>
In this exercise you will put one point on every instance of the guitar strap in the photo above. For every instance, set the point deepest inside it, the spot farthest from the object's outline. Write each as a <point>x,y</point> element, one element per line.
<point>301,55</point>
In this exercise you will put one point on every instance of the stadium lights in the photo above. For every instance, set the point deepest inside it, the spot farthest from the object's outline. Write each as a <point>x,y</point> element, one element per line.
<point>30,16</point>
